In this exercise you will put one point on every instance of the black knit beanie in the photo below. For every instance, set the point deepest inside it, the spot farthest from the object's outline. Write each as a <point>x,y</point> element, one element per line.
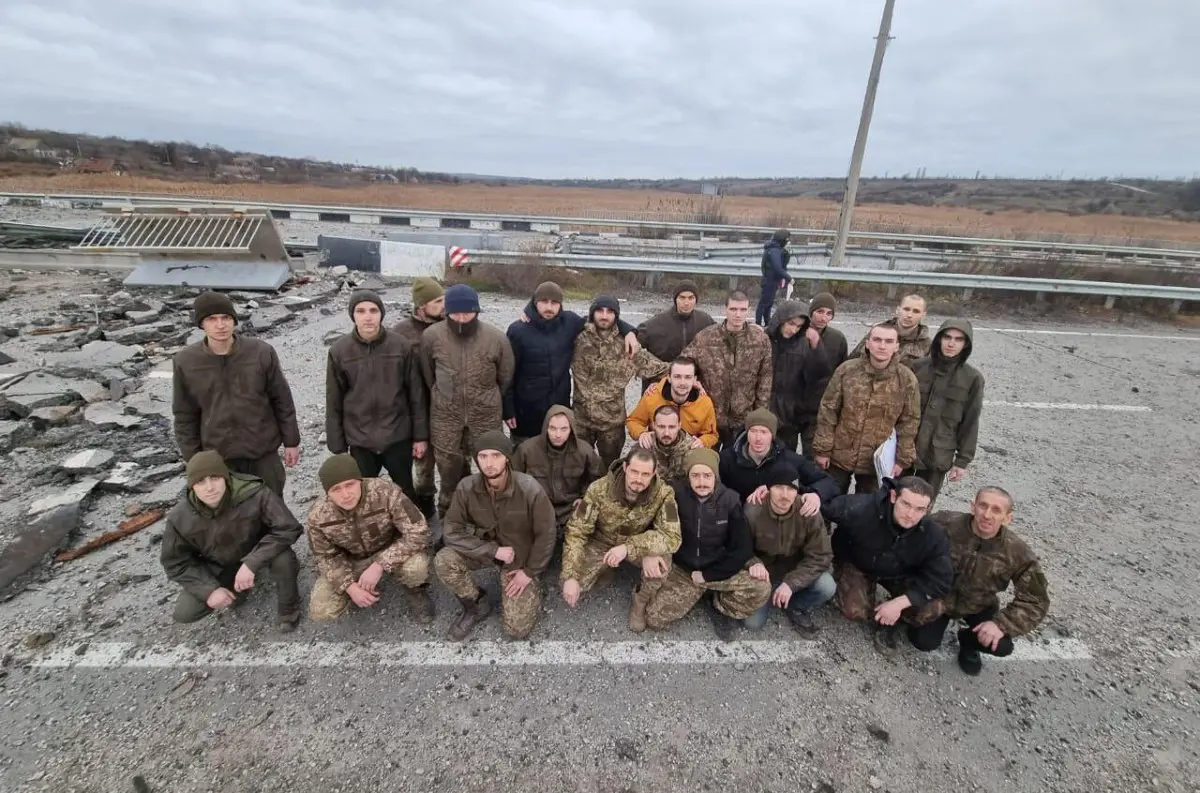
<point>782,473</point>
<point>208,304</point>
<point>366,296</point>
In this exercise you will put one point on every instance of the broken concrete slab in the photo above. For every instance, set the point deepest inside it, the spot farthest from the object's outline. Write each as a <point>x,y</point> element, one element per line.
<point>120,477</point>
<point>294,302</point>
<point>88,461</point>
<point>34,544</point>
<point>153,455</point>
<point>269,317</point>
<point>166,493</point>
<point>109,415</point>
<point>38,390</point>
<point>255,276</point>
<point>55,416</point>
<point>333,335</point>
<point>5,358</point>
<point>129,477</point>
<point>13,372</point>
<point>140,334</point>
<point>144,404</point>
<point>14,433</point>
<point>143,317</point>
<point>97,355</point>
<point>74,495</point>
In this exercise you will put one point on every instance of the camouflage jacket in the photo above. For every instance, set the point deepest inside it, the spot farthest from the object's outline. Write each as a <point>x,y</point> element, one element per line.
<point>563,473</point>
<point>670,460</point>
<point>913,345</point>
<point>735,369</point>
<point>385,525</point>
<point>860,408</point>
<point>984,568</point>
<point>602,371</point>
<point>649,526</point>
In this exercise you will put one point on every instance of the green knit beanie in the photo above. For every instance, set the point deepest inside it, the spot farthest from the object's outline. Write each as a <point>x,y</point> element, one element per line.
<point>425,290</point>
<point>706,457</point>
<point>337,469</point>
<point>494,440</point>
<point>204,464</point>
<point>762,418</point>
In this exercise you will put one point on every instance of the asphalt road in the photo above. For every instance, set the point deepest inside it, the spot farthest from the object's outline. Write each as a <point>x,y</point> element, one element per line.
<point>1104,697</point>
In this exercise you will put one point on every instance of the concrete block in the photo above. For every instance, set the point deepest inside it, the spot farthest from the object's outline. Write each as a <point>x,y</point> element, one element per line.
<point>74,496</point>
<point>34,542</point>
<point>55,416</point>
<point>109,415</point>
<point>38,390</point>
<point>166,493</point>
<point>88,461</point>
<point>97,355</point>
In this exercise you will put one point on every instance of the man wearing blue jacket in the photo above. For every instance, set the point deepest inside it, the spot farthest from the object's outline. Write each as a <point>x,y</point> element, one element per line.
<point>775,260</point>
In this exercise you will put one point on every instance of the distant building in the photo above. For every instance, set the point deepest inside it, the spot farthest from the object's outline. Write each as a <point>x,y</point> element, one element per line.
<point>30,147</point>
<point>710,188</point>
<point>96,165</point>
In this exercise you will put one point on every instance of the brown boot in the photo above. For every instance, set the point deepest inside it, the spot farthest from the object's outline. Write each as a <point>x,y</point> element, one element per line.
<point>637,612</point>
<point>474,612</point>
<point>288,620</point>
<point>420,605</point>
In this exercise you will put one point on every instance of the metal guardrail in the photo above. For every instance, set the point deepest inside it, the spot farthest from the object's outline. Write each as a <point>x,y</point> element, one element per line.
<point>497,221</point>
<point>964,281</point>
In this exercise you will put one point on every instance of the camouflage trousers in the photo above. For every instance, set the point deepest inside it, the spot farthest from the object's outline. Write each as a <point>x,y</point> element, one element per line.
<point>592,567</point>
<point>452,457</point>
<point>326,603</point>
<point>517,615</point>
<point>857,596</point>
<point>608,441</point>
<point>737,597</point>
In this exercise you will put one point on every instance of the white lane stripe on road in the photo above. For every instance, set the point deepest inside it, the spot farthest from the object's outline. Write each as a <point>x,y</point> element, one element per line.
<point>1098,334</point>
<point>128,655</point>
<point>1068,406</point>
<point>161,374</point>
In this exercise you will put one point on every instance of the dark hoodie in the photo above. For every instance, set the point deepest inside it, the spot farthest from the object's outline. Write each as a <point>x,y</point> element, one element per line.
<point>564,472</point>
<point>775,259</point>
<point>951,401</point>
<point>794,365</point>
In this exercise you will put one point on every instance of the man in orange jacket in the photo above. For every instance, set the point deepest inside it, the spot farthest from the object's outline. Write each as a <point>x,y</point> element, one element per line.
<point>696,411</point>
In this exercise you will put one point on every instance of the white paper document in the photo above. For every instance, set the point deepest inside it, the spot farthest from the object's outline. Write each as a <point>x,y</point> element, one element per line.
<point>885,458</point>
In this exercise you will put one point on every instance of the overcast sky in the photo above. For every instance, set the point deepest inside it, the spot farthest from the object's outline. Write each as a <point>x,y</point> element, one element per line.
<point>636,88</point>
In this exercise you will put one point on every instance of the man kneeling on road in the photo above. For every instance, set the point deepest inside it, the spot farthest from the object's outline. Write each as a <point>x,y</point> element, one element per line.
<point>988,556</point>
<point>360,530</point>
<point>629,515</point>
<point>713,556</point>
<point>497,517</point>
<point>887,538</point>
<point>224,531</point>
<point>792,552</point>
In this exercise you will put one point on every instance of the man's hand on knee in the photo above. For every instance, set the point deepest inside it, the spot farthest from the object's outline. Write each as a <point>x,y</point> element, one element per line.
<point>654,567</point>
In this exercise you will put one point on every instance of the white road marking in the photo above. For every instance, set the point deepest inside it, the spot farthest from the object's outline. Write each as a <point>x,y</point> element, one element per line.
<point>1088,333</point>
<point>160,374</point>
<point>128,655</point>
<point>1068,406</point>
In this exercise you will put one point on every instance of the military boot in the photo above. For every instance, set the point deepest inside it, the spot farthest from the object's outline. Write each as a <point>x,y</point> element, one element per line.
<point>969,658</point>
<point>427,503</point>
<point>724,625</point>
<point>803,622</point>
<point>420,605</point>
<point>886,640</point>
<point>474,612</point>
<point>637,612</point>
<point>288,620</point>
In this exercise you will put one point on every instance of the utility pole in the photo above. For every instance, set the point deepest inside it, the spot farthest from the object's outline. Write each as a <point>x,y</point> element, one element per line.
<point>846,216</point>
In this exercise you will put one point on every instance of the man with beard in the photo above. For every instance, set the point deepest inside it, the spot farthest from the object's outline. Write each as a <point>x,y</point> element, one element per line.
<point>733,361</point>
<point>697,415</point>
<point>988,556</point>
<point>914,335</point>
<point>666,334</point>
<point>429,305</point>
<point>671,444</point>
<point>951,401</point>
<point>746,463</point>
<point>602,369</point>
<point>498,518</point>
<point>794,362</point>
<point>715,551</point>
<point>543,342</point>
<point>560,462</point>
<point>375,397</point>
<point>866,399</point>
<point>775,260</point>
<point>887,539</point>
<point>229,394</point>
<point>829,351</point>
<point>469,367</point>
<point>628,516</point>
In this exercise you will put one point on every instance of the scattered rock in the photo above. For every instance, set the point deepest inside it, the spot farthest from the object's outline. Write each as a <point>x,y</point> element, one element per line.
<point>121,478</point>
<point>266,318</point>
<point>166,493</point>
<point>152,455</point>
<point>39,639</point>
<point>72,496</point>
<point>879,733</point>
<point>11,332</point>
<point>120,298</point>
<point>108,415</point>
<point>55,416</point>
<point>132,508</point>
<point>145,404</point>
<point>34,542</point>
<point>14,433</point>
<point>627,750</point>
<point>994,450</point>
<point>143,317</point>
<point>38,390</point>
<point>5,358</point>
<point>875,783</point>
<point>140,334</point>
<point>89,461</point>
<point>333,336</point>
<point>98,355</point>
<point>294,302</point>
<point>339,270</point>
<point>41,322</point>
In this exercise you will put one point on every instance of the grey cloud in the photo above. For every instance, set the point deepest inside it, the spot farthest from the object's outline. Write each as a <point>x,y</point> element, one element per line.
<point>624,88</point>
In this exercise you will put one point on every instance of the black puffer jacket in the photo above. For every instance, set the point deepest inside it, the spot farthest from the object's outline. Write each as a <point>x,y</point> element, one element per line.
<point>793,364</point>
<point>741,474</point>
<point>868,538</point>
<point>716,539</point>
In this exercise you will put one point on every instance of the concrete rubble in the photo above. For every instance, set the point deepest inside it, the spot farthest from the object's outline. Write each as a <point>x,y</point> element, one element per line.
<point>89,461</point>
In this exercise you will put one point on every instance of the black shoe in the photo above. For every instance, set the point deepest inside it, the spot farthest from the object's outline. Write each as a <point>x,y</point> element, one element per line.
<point>885,639</point>
<point>288,620</point>
<point>474,612</point>
<point>969,658</point>
<point>427,503</point>
<point>725,626</point>
<point>804,624</point>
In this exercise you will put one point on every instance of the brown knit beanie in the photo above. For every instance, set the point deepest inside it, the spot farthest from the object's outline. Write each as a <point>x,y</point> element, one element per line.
<point>425,290</point>
<point>205,464</point>
<point>337,469</point>
<point>822,300</point>
<point>494,440</point>
<point>210,303</point>
<point>702,456</point>
<point>366,296</point>
<point>762,418</point>
<point>548,290</point>
<point>685,286</point>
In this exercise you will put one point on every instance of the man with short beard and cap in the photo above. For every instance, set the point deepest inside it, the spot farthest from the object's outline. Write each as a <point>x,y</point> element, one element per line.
<point>746,464</point>
<point>498,518</point>
<point>628,516</point>
<point>560,462</point>
<point>887,539</point>
<point>988,557</point>
<point>543,343</point>
<point>375,396</point>
<point>733,362</point>
<point>220,537</point>
<point>951,401</point>
<point>829,351</point>
<point>671,444</point>
<point>914,335</point>
<point>361,529</point>
<point>775,260</point>
<point>229,395</point>
<point>666,334</point>
<point>428,308</point>
<point>602,368</point>
<point>468,366</point>
<point>714,554</point>
<point>792,552</point>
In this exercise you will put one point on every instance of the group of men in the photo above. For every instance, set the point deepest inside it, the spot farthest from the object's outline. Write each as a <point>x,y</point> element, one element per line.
<point>745,443</point>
